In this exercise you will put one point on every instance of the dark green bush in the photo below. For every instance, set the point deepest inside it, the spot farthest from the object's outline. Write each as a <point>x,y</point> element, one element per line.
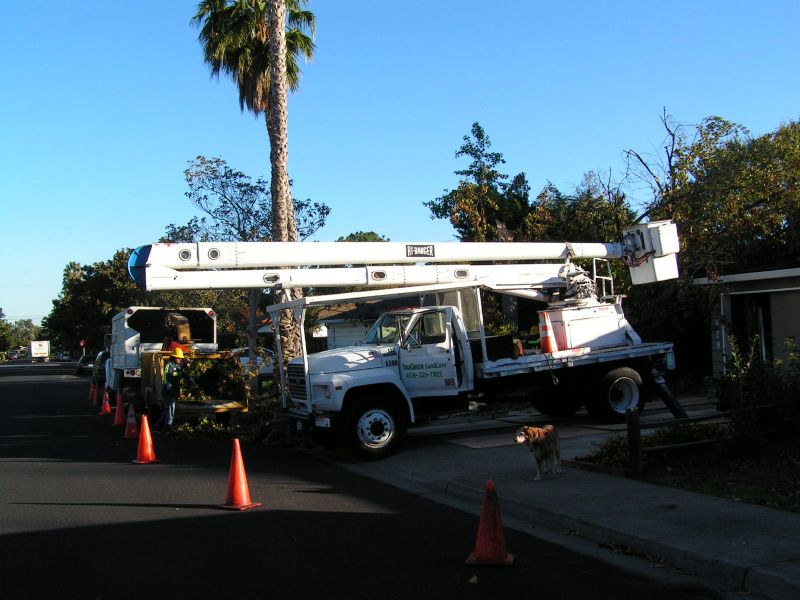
<point>763,397</point>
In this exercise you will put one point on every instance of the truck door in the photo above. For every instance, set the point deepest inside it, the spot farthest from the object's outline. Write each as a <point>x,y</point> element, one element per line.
<point>427,365</point>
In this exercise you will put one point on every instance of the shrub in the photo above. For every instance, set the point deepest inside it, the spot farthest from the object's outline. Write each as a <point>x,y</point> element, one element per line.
<point>763,397</point>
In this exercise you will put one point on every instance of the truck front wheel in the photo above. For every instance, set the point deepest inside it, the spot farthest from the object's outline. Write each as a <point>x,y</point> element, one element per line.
<point>620,390</point>
<point>375,427</point>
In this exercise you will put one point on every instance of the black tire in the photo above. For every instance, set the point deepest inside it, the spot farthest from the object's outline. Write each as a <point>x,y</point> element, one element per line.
<point>620,389</point>
<point>374,427</point>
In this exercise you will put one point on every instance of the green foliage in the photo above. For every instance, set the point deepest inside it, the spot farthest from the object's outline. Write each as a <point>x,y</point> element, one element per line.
<point>16,334</point>
<point>214,379</point>
<point>205,427</point>
<point>735,198</point>
<point>614,452</point>
<point>273,427</point>
<point>495,318</point>
<point>486,207</point>
<point>363,236</point>
<point>92,294</point>
<point>763,397</point>
<point>5,333</point>
<point>482,199</point>
<point>679,312</point>
<point>234,35</point>
<point>238,208</point>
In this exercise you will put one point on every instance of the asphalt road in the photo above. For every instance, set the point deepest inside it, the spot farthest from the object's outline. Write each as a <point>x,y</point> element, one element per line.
<point>79,519</point>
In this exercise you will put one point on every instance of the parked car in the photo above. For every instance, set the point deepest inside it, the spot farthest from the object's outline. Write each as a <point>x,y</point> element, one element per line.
<point>85,365</point>
<point>13,355</point>
<point>63,357</point>
<point>99,368</point>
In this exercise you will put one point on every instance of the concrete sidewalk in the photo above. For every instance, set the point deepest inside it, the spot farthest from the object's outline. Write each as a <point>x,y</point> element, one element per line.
<point>731,547</point>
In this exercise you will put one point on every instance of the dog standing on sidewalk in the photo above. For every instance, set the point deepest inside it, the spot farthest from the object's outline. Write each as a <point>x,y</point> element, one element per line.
<point>544,444</point>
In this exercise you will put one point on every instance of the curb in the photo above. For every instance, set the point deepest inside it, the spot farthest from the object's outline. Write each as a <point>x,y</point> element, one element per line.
<point>774,582</point>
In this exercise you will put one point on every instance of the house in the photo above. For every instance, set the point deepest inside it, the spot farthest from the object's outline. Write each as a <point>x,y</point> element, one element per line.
<point>761,308</point>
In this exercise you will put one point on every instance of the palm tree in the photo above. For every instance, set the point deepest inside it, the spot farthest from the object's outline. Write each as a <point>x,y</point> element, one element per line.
<point>258,44</point>
<point>235,36</point>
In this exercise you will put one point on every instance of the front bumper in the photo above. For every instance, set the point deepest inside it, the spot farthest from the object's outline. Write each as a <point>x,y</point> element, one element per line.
<point>313,422</point>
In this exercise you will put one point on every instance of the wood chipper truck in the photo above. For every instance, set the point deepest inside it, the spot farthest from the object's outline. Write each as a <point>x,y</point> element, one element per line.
<point>436,354</point>
<point>142,338</point>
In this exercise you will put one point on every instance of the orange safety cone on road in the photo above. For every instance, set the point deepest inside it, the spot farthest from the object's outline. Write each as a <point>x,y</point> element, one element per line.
<point>147,453</point>
<point>119,411</point>
<point>548,337</point>
<point>131,429</point>
<point>238,491</point>
<point>93,395</point>
<point>105,409</point>
<point>490,547</point>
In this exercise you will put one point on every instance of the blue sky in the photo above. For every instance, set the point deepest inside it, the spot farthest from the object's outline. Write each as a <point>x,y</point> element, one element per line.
<point>105,103</point>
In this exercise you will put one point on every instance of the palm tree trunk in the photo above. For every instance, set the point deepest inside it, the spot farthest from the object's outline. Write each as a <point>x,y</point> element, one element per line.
<point>284,226</point>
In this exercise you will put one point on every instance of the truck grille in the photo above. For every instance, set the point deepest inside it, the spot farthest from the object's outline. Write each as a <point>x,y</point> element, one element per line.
<point>297,383</point>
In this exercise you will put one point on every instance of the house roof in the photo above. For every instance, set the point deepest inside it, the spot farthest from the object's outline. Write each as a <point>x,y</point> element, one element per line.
<point>757,276</point>
<point>776,280</point>
<point>369,310</point>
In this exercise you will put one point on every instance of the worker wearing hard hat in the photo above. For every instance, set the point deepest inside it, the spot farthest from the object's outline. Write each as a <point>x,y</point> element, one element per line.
<point>174,374</point>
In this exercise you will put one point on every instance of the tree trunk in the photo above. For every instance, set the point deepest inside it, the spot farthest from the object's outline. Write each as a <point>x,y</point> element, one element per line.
<point>284,225</point>
<point>253,296</point>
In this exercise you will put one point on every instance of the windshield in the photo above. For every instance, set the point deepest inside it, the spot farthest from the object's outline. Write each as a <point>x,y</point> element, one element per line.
<point>387,328</point>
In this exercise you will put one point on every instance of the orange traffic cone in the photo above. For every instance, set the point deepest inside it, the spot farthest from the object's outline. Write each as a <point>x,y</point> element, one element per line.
<point>147,453</point>
<point>490,547</point>
<point>548,337</point>
<point>119,411</point>
<point>238,492</point>
<point>105,409</point>
<point>131,429</point>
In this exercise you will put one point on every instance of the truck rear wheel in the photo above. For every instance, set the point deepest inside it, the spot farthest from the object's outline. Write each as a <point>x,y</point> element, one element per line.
<point>620,389</point>
<point>375,427</point>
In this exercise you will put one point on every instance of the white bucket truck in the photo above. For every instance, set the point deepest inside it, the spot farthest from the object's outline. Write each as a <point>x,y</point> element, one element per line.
<point>436,355</point>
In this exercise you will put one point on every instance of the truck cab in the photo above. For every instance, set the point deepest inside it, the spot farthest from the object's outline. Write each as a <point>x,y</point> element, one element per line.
<point>409,358</point>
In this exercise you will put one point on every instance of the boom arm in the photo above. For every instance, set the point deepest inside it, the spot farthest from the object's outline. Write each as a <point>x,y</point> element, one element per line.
<point>168,266</point>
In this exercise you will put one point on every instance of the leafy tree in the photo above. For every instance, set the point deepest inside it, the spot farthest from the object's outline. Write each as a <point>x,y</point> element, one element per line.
<point>486,207</point>
<point>735,200</point>
<point>92,294</point>
<point>672,178</point>
<point>482,198</point>
<point>5,333</point>
<point>238,209</point>
<point>740,211</point>
<point>363,236</point>
<point>16,334</point>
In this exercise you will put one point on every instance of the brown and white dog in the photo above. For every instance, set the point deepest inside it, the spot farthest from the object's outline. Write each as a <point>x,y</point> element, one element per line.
<point>544,444</point>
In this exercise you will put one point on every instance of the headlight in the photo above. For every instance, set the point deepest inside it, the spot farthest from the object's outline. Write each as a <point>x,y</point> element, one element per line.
<point>321,392</point>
